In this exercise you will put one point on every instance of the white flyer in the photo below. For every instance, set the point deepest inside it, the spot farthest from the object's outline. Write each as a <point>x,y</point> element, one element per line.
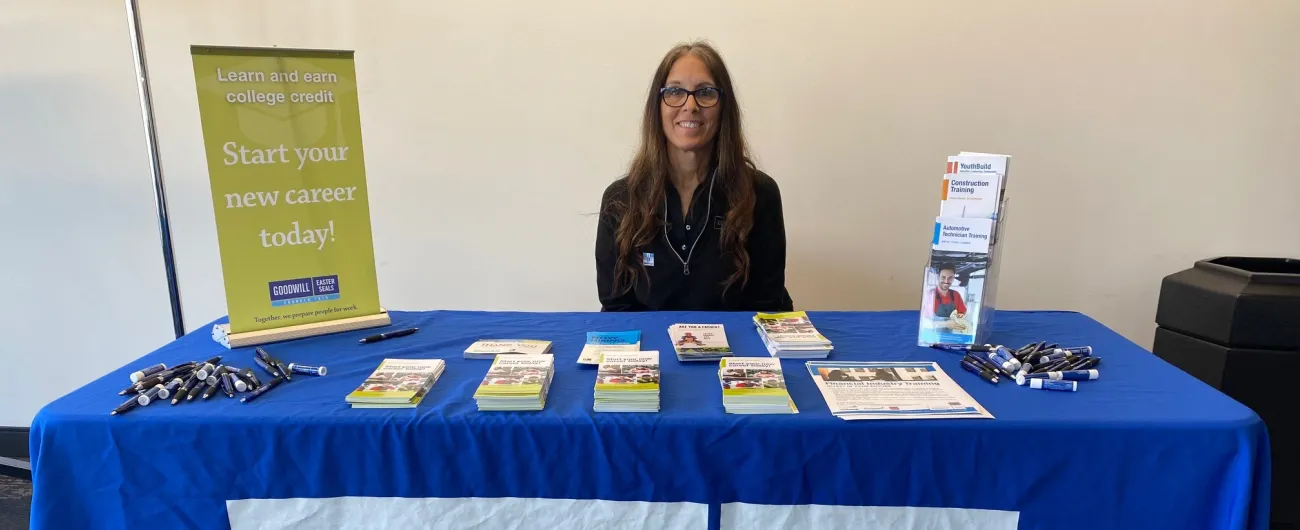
<point>892,390</point>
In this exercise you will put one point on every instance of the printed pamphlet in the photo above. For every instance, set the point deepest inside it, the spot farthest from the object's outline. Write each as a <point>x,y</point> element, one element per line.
<point>628,382</point>
<point>951,297</point>
<point>599,342</point>
<point>754,385</point>
<point>791,335</point>
<point>892,390</point>
<point>398,382</point>
<point>970,195</point>
<point>489,348</point>
<point>960,234</point>
<point>699,342</point>
<point>516,382</point>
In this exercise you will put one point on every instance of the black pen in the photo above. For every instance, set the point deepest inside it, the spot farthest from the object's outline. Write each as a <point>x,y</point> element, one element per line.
<point>185,388</point>
<point>389,335</point>
<point>212,389</point>
<point>981,371</point>
<point>280,367</point>
<point>194,392</point>
<point>148,382</point>
<point>128,405</point>
<point>261,390</point>
<point>267,367</point>
<point>251,378</point>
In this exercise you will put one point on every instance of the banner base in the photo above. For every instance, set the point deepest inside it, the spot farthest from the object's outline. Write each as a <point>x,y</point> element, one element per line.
<point>222,335</point>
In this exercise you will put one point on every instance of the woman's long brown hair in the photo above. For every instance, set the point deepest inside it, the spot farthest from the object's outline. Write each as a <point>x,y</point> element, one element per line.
<point>648,175</point>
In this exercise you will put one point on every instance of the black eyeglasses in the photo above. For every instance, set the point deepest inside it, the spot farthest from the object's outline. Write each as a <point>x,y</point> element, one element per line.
<point>675,96</point>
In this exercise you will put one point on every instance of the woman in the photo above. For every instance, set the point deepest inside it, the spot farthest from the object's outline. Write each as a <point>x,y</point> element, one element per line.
<point>694,225</point>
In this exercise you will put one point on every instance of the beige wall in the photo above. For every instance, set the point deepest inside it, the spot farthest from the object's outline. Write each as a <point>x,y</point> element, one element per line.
<point>80,270</point>
<point>1146,134</point>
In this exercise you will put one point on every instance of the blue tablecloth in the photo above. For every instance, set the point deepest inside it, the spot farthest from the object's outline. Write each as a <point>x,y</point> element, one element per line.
<point>1145,446</point>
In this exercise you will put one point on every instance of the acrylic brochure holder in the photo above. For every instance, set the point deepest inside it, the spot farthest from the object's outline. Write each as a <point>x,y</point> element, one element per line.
<point>959,289</point>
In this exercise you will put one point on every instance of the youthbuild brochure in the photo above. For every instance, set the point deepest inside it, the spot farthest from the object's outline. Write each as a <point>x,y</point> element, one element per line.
<point>892,390</point>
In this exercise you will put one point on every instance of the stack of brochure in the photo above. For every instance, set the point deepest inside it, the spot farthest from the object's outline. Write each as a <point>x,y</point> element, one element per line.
<point>516,382</point>
<point>599,342</point>
<point>892,390</point>
<point>488,348</point>
<point>699,342</point>
<point>628,382</point>
<point>791,336</point>
<point>397,383</point>
<point>754,385</point>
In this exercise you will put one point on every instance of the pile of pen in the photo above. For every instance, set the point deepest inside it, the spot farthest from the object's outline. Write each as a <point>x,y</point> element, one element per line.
<point>1038,365</point>
<point>193,380</point>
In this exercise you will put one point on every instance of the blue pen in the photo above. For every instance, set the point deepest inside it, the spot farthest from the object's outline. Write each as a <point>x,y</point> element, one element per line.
<point>1079,351</point>
<point>1054,356</point>
<point>262,390</point>
<point>1074,375</point>
<point>1048,384</point>
<point>1002,357</point>
<point>959,348</point>
<point>309,370</point>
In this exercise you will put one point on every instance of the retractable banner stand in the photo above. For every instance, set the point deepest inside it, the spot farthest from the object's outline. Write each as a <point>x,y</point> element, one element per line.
<point>282,137</point>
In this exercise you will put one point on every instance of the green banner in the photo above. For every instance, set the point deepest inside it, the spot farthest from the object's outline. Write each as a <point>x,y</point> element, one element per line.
<point>282,134</point>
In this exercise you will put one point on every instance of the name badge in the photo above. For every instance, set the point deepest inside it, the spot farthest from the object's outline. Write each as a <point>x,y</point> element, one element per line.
<point>648,259</point>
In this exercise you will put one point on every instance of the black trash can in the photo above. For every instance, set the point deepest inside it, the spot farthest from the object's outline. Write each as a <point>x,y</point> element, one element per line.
<point>1234,323</point>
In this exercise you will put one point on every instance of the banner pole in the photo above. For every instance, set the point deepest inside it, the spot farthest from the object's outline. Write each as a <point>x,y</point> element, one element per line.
<point>155,163</point>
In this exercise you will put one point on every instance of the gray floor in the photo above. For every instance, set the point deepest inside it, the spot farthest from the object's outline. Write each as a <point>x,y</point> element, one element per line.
<point>15,503</point>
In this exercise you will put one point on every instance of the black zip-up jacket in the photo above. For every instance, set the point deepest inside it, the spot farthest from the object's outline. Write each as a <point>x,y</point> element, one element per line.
<point>683,269</point>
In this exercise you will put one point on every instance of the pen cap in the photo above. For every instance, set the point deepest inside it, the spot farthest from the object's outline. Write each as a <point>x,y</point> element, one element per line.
<point>205,371</point>
<point>146,372</point>
<point>148,397</point>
